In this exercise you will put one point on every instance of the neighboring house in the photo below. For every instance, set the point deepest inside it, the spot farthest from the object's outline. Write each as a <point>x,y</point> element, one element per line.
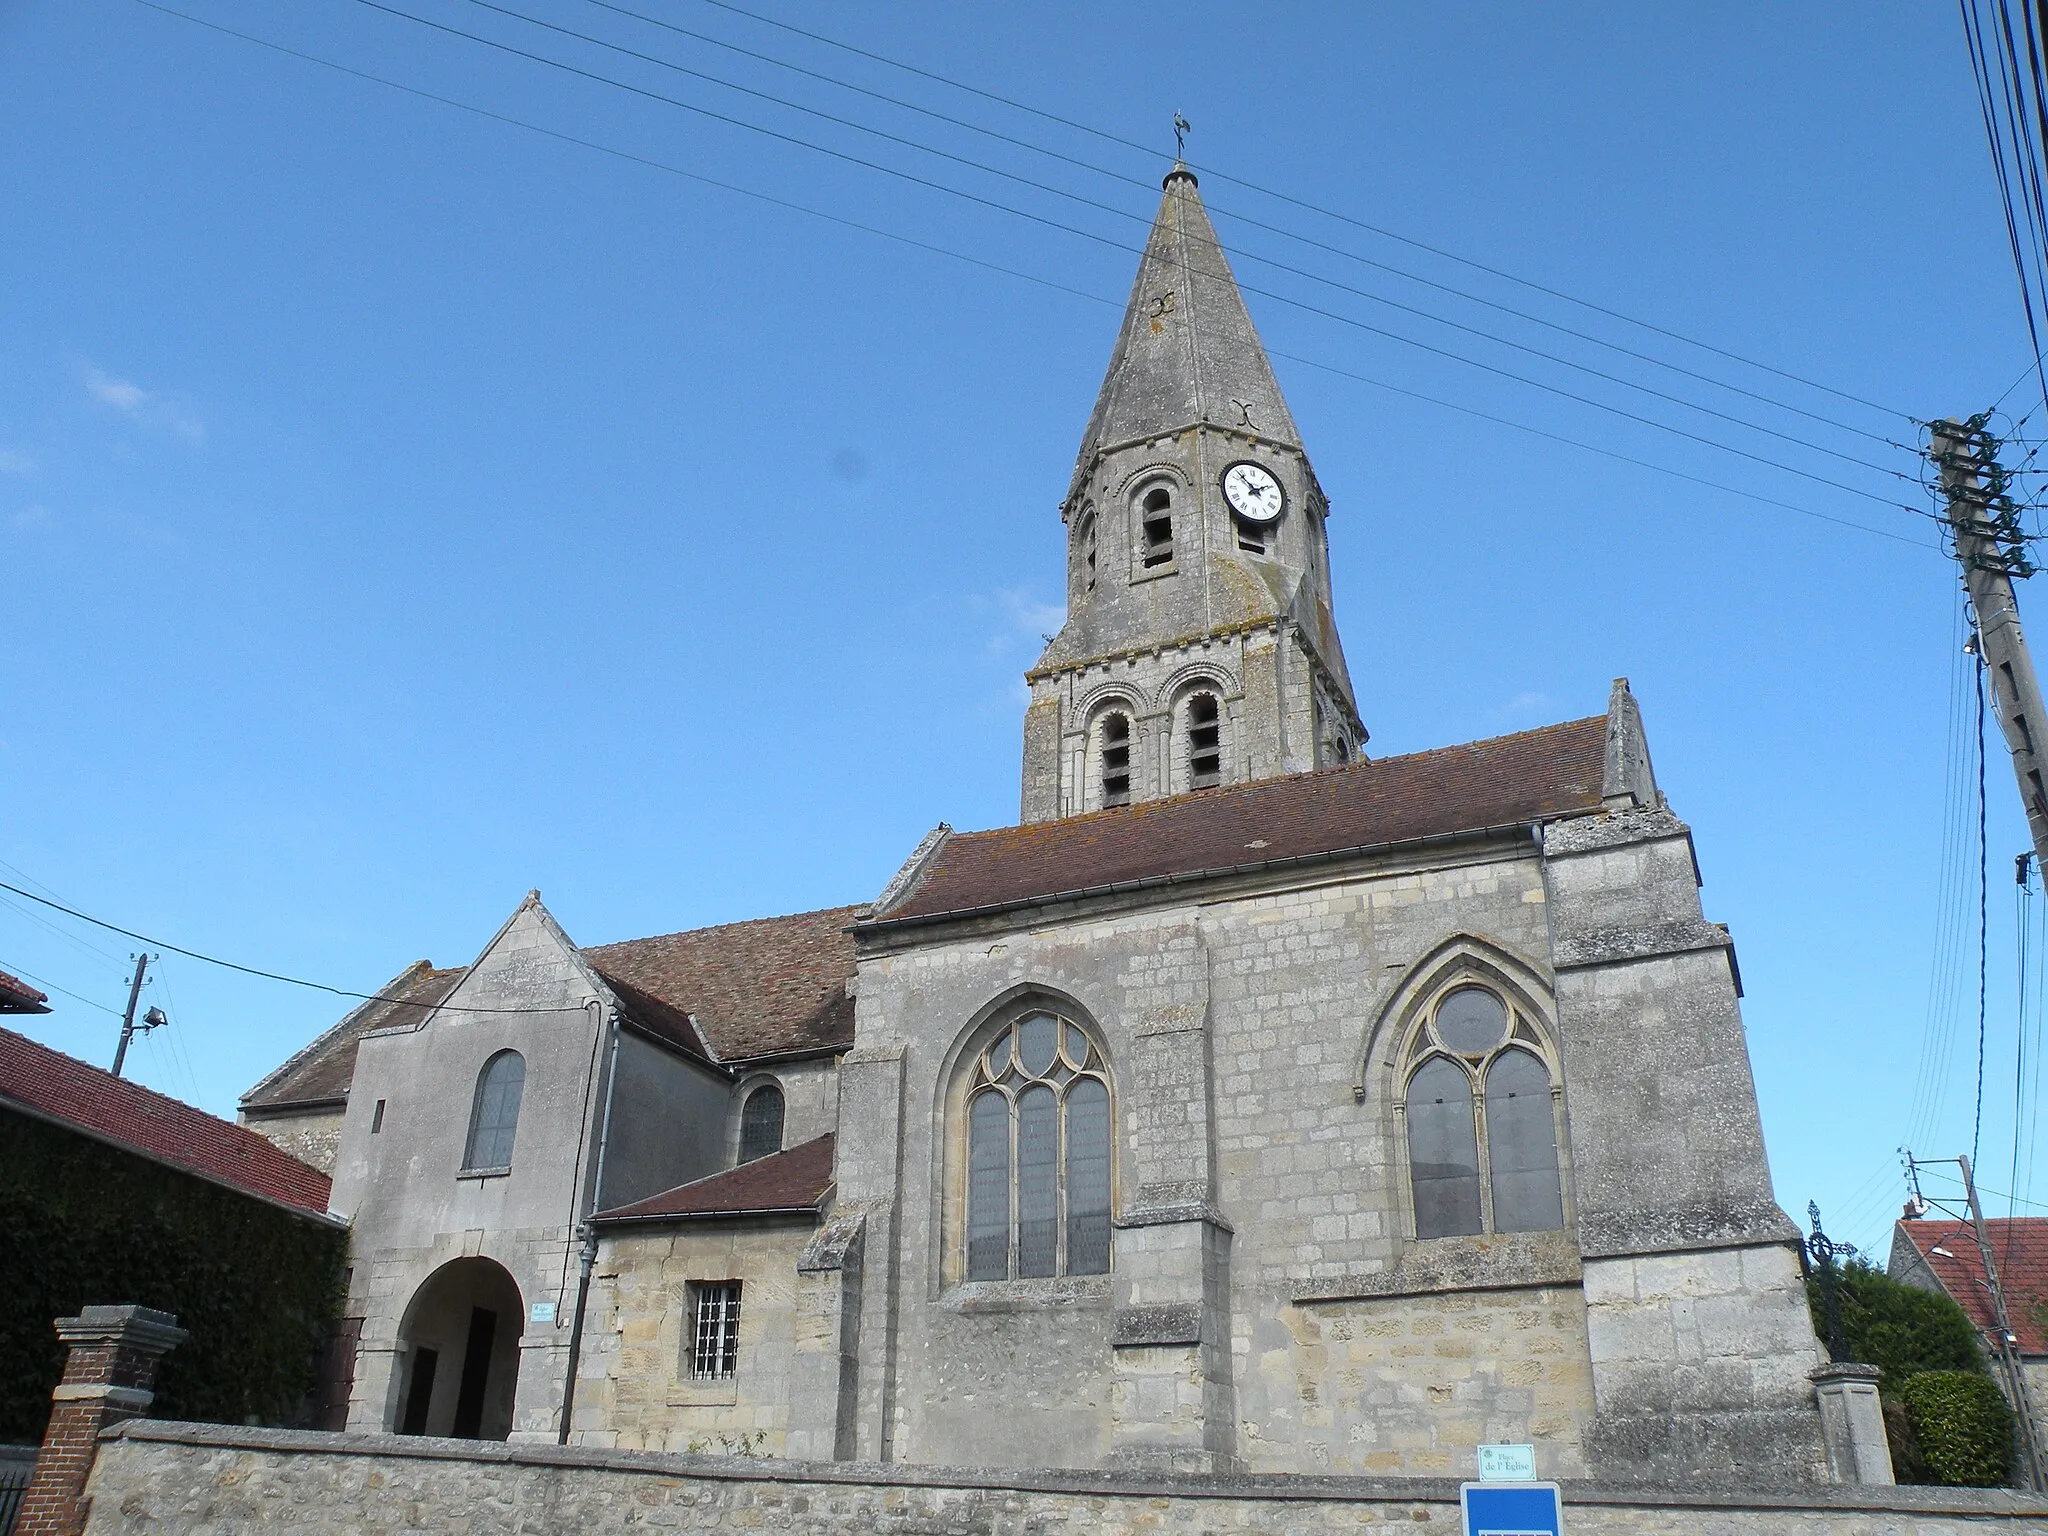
<point>17,996</point>
<point>111,1193</point>
<point>1944,1256</point>
<point>1252,1104</point>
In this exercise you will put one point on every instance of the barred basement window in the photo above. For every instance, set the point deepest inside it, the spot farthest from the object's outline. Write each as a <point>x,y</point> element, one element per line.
<point>1116,759</point>
<point>1038,1149</point>
<point>1156,527</point>
<point>494,1116</point>
<point>1482,1121</point>
<point>1205,741</point>
<point>761,1123</point>
<point>715,1329</point>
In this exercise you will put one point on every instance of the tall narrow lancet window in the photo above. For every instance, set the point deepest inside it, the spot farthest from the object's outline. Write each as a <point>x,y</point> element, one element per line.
<point>494,1116</point>
<point>1038,1154</point>
<point>1084,553</point>
<point>1521,1145</point>
<point>1482,1120</point>
<point>761,1123</point>
<point>1155,528</point>
<point>1443,1151</point>
<point>1205,741</point>
<point>1115,734</point>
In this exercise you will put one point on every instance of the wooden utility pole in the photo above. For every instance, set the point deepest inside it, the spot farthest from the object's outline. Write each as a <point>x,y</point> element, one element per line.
<point>1991,547</point>
<point>128,1018</point>
<point>2006,1345</point>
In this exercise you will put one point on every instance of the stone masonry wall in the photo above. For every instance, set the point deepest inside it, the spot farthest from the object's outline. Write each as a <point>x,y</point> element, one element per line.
<point>175,1479</point>
<point>1415,1383</point>
<point>634,1388</point>
<point>314,1137</point>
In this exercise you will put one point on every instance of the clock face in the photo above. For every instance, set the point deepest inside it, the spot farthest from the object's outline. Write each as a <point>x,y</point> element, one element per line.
<point>1253,493</point>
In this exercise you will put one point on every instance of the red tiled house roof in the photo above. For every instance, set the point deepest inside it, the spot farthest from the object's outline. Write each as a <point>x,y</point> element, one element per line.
<point>793,1182</point>
<point>17,996</point>
<point>1506,781</point>
<point>2019,1247</point>
<point>52,1086</point>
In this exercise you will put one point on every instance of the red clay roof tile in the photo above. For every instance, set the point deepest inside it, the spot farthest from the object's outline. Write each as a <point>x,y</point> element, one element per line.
<point>61,1088</point>
<point>17,996</point>
<point>2019,1247</point>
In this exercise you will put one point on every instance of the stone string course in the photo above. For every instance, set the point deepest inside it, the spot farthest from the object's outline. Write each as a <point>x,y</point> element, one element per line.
<point>174,1479</point>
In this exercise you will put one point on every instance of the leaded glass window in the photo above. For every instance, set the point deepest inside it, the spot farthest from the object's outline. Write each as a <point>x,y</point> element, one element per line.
<point>761,1123</point>
<point>1481,1108</point>
<point>1038,1154</point>
<point>494,1116</point>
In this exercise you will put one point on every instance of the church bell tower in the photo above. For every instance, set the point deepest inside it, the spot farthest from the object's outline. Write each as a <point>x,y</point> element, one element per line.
<point>1199,647</point>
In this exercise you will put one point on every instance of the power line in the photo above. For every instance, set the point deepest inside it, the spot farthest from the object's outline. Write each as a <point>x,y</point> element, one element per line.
<point>991,203</point>
<point>1209,170</point>
<point>250,970</point>
<point>1214,208</point>
<point>1088,234</point>
<point>930,247</point>
<point>74,996</point>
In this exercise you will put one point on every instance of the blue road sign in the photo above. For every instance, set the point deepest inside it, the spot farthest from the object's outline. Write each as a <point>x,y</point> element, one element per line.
<point>1512,1509</point>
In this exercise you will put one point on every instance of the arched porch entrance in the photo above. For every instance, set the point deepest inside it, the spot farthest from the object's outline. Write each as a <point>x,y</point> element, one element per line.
<point>461,1347</point>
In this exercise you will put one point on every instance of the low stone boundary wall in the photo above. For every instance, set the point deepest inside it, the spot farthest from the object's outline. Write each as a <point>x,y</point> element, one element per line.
<point>170,1479</point>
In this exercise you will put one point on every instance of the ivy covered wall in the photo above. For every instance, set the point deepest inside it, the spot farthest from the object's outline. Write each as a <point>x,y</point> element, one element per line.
<point>82,1222</point>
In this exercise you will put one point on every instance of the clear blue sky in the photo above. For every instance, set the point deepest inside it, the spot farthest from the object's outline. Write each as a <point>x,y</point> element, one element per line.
<point>399,509</point>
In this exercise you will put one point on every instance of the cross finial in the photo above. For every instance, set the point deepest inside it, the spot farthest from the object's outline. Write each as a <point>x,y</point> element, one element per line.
<point>1181,129</point>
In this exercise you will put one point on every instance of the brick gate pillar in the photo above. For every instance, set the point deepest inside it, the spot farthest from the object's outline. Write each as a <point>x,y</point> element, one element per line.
<point>109,1375</point>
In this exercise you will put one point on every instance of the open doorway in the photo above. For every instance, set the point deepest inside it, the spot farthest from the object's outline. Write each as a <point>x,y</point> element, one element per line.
<point>461,1338</point>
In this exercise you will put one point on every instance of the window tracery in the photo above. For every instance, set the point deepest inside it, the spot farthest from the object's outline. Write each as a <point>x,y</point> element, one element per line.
<point>1481,1110</point>
<point>1038,1153</point>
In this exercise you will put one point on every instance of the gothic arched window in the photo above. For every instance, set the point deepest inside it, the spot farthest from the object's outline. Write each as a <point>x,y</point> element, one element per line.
<point>761,1123</point>
<point>1038,1153</point>
<point>1204,740</point>
<point>1113,754</point>
<point>494,1115</point>
<point>1482,1120</point>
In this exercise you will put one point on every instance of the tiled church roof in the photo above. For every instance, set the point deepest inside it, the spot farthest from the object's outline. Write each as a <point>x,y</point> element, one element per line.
<point>757,988</point>
<point>57,1087</point>
<point>1504,781</point>
<point>2019,1247</point>
<point>795,1180</point>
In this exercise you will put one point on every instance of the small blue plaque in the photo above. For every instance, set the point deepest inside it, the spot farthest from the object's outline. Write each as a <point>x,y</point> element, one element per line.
<point>1512,1509</point>
<point>542,1312</point>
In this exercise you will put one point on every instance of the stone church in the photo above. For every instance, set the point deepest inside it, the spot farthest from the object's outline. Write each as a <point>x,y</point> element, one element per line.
<point>1253,1103</point>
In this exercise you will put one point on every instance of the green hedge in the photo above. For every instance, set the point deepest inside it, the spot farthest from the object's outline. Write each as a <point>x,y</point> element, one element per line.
<point>1962,1427</point>
<point>83,1223</point>
<point>1900,1328</point>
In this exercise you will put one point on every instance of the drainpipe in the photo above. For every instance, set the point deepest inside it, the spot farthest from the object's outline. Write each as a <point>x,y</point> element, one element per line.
<point>589,1257</point>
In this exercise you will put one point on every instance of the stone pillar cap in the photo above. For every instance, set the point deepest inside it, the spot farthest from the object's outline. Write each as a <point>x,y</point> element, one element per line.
<point>138,1327</point>
<point>1843,1370</point>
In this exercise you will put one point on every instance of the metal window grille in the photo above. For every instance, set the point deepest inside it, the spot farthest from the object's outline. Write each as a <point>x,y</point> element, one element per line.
<point>715,1352</point>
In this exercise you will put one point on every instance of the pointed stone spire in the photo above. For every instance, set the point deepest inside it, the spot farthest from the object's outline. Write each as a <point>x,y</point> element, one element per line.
<point>1188,353</point>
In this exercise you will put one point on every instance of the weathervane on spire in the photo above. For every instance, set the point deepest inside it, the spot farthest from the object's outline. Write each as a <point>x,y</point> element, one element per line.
<point>1181,129</point>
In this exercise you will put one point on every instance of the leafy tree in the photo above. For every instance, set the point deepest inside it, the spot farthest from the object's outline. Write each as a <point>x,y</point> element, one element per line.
<point>1962,1427</point>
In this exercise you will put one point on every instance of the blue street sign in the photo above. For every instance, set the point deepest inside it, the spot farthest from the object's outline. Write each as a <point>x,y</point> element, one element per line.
<point>1512,1509</point>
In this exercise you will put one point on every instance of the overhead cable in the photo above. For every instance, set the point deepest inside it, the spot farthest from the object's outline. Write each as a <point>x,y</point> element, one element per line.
<point>1279,196</point>
<point>913,242</point>
<point>1299,304</point>
<point>1215,208</point>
